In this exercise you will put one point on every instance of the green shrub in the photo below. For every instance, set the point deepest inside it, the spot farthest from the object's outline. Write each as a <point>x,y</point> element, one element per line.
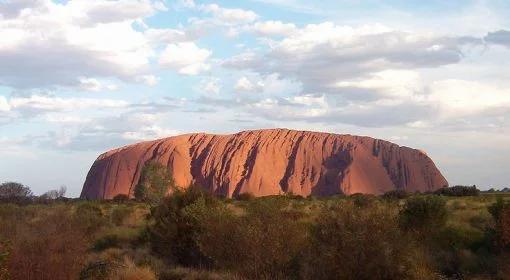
<point>106,242</point>
<point>173,227</point>
<point>90,217</point>
<point>459,250</point>
<point>423,214</point>
<point>263,244</point>
<point>349,242</point>
<point>245,196</point>
<point>362,200</point>
<point>500,211</point>
<point>120,213</point>
<point>395,194</point>
<point>121,198</point>
<point>459,191</point>
<point>140,192</point>
<point>98,270</point>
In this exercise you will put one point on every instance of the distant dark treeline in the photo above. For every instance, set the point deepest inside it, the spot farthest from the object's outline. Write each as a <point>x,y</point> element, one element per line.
<point>13,192</point>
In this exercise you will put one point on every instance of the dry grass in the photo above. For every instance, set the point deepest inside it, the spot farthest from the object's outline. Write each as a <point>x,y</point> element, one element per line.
<point>50,245</point>
<point>129,271</point>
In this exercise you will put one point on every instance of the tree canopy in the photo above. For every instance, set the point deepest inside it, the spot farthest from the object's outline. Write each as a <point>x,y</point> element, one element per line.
<point>154,182</point>
<point>14,190</point>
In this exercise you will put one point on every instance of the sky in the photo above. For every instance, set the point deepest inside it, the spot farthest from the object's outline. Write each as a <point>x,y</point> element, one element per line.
<point>80,77</point>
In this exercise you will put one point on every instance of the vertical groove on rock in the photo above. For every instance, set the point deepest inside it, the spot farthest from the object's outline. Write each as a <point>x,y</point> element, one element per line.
<point>247,169</point>
<point>284,182</point>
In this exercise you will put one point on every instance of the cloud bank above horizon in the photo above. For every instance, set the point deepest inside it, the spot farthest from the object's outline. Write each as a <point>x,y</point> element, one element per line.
<point>80,77</point>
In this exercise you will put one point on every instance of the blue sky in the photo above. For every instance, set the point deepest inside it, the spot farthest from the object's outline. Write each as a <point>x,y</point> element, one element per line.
<point>80,77</point>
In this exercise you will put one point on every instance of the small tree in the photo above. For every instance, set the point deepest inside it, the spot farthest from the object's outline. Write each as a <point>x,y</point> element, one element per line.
<point>154,182</point>
<point>14,190</point>
<point>140,192</point>
<point>55,194</point>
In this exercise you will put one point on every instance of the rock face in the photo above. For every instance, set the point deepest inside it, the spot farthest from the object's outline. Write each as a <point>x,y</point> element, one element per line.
<point>269,162</point>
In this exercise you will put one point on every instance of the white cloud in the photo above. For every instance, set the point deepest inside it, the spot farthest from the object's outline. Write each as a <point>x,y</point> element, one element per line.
<point>167,35</point>
<point>109,132</point>
<point>271,84</point>
<point>389,83</point>
<point>225,21</point>
<point>460,97</point>
<point>101,11</point>
<point>322,55</point>
<point>65,118</point>
<point>185,58</point>
<point>50,109</point>
<point>150,132</point>
<point>55,44</point>
<point>291,108</point>
<point>230,16</point>
<point>245,85</point>
<point>409,102</point>
<point>370,75</point>
<point>149,80</point>
<point>419,124</point>
<point>187,3</point>
<point>4,105</point>
<point>398,138</point>
<point>92,84</point>
<point>39,103</point>
<point>210,85</point>
<point>274,28</point>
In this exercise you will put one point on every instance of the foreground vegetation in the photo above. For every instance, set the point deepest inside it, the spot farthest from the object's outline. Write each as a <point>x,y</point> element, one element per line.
<point>192,235</point>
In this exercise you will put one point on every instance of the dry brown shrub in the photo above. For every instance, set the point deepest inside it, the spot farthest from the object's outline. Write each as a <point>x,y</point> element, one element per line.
<point>182,273</point>
<point>50,245</point>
